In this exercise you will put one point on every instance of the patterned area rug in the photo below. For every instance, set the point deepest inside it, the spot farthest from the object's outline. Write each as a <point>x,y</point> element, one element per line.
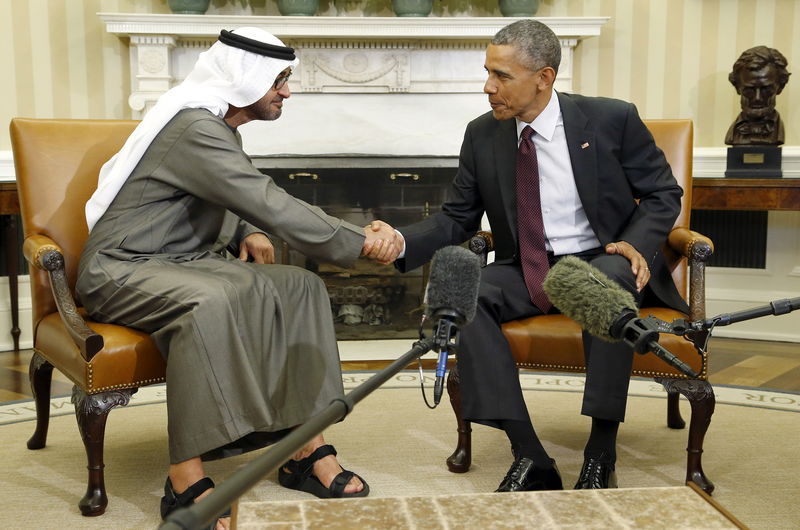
<point>399,446</point>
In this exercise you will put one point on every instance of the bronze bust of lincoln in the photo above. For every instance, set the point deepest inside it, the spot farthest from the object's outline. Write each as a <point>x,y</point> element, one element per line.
<point>759,75</point>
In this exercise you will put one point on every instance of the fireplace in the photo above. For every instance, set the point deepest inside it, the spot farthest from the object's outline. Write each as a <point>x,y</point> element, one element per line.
<point>368,300</point>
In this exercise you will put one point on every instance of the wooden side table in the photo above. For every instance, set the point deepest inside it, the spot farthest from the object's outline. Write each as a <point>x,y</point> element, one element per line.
<point>9,209</point>
<point>745,194</point>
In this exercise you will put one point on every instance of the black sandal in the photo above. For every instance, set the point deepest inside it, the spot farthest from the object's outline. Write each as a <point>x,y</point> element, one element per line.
<point>171,501</point>
<point>298,475</point>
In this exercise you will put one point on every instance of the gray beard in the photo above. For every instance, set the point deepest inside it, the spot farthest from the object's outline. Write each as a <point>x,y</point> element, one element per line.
<point>272,115</point>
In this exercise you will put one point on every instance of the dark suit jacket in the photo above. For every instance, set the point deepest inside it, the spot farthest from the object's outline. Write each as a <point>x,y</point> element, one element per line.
<point>615,162</point>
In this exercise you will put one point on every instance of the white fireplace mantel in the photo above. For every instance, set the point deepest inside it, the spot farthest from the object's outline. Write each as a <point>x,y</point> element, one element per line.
<point>338,54</point>
<point>340,27</point>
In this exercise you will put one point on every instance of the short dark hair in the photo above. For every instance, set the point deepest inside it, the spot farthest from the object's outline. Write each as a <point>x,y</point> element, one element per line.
<point>537,45</point>
<point>757,58</point>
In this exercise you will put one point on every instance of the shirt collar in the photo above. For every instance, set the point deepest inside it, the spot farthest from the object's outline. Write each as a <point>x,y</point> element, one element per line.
<point>547,120</point>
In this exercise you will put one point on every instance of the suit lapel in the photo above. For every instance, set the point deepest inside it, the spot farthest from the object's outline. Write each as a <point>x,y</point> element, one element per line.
<point>582,146</point>
<point>505,154</point>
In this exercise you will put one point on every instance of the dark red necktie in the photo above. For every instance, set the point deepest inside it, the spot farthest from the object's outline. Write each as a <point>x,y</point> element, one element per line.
<point>533,253</point>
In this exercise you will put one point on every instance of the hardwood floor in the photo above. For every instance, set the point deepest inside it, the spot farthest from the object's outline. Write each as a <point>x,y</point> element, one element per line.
<point>739,362</point>
<point>754,363</point>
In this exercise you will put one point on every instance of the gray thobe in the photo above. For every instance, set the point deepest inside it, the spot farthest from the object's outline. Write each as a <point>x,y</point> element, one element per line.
<point>250,348</point>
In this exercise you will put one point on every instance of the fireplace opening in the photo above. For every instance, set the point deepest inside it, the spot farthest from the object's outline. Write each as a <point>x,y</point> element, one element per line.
<point>369,300</point>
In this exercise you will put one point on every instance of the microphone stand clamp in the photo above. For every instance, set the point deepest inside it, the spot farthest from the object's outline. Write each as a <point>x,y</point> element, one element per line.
<point>445,334</point>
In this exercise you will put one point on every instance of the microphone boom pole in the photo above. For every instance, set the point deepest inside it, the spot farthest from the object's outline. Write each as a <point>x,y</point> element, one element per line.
<point>202,513</point>
<point>774,308</point>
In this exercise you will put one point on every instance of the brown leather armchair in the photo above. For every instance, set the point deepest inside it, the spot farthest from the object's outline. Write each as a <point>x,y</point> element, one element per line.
<point>57,163</point>
<point>554,343</point>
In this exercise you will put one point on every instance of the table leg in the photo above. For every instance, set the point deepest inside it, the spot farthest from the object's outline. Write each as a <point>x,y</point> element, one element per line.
<point>12,260</point>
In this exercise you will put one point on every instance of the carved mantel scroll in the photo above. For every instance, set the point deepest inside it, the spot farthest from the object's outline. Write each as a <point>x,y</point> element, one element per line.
<point>431,55</point>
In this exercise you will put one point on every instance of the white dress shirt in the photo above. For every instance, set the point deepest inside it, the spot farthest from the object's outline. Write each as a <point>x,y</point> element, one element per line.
<point>566,228</point>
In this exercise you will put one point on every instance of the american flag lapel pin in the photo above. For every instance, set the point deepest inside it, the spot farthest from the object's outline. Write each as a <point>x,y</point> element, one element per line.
<point>584,145</point>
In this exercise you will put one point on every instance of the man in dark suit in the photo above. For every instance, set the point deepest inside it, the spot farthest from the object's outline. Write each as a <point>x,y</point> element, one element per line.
<point>601,190</point>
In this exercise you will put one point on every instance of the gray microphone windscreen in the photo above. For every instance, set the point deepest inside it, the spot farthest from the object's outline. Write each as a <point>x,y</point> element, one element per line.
<point>587,296</point>
<point>453,283</point>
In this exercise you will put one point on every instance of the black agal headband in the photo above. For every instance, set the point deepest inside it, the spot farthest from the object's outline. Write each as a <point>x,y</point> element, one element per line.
<point>252,45</point>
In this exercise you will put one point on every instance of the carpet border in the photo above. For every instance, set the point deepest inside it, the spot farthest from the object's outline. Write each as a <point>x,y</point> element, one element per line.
<point>10,412</point>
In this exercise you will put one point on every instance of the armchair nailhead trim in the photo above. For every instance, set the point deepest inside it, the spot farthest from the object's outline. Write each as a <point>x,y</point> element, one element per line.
<point>90,390</point>
<point>552,366</point>
<point>646,373</point>
<point>133,384</point>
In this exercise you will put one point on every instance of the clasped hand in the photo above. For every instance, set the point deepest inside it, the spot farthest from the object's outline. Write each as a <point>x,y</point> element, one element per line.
<point>383,243</point>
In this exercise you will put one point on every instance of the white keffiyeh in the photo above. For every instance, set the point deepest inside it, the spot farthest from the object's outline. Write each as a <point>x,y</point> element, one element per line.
<point>223,76</point>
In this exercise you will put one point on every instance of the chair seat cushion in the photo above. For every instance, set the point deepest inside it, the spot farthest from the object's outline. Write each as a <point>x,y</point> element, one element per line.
<point>129,358</point>
<point>555,343</point>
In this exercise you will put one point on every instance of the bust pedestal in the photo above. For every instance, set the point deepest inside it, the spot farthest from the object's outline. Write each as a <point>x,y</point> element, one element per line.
<point>754,161</point>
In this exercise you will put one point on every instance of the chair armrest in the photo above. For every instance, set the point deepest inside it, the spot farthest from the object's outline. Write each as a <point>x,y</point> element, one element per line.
<point>481,244</point>
<point>43,253</point>
<point>690,244</point>
<point>698,249</point>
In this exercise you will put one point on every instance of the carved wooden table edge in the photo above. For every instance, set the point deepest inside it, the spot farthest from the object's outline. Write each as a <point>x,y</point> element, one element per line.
<point>745,194</point>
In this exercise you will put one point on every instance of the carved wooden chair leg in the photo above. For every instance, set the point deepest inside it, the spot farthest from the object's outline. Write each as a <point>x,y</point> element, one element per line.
<point>41,375</point>
<point>92,413</point>
<point>701,397</point>
<point>461,458</point>
<point>674,419</point>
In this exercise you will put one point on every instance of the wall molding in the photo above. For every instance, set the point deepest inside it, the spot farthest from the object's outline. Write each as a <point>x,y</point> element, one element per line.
<point>721,300</point>
<point>7,167</point>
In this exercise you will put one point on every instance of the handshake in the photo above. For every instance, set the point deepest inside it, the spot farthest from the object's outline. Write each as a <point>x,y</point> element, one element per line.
<point>383,243</point>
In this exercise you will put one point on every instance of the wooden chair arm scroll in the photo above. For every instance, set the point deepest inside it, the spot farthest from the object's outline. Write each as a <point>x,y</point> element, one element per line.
<point>481,244</point>
<point>43,253</point>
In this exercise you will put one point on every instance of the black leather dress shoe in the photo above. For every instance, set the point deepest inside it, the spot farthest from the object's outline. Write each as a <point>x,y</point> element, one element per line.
<point>525,476</point>
<point>596,475</point>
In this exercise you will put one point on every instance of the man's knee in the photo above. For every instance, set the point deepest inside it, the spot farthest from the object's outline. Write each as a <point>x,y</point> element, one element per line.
<point>618,268</point>
<point>489,303</point>
<point>290,277</point>
<point>312,281</point>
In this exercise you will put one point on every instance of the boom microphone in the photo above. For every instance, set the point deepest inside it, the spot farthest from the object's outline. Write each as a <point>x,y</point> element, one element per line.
<point>604,309</point>
<point>451,300</point>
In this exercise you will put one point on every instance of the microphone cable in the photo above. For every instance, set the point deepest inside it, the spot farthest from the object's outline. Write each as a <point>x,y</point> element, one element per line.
<point>419,366</point>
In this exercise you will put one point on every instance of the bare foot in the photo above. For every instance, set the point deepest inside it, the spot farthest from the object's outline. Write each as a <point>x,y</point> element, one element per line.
<point>326,469</point>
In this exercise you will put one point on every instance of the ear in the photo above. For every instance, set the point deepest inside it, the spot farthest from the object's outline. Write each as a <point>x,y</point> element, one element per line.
<point>547,76</point>
<point>732,79</point>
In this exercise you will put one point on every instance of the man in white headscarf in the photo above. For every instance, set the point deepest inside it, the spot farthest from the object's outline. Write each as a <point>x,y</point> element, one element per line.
<point>250,347</point>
